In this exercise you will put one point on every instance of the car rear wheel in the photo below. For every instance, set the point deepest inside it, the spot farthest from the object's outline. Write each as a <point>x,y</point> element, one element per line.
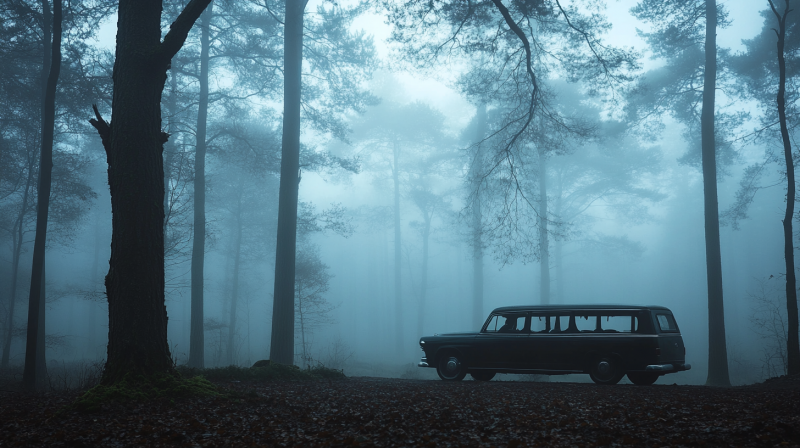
<point>450,367</point>
<point>482,375</point>
<point>606,370</point>
<point>642,378</point>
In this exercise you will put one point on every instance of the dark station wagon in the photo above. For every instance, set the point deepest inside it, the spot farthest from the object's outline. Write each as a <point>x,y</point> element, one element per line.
<point>605,341</point>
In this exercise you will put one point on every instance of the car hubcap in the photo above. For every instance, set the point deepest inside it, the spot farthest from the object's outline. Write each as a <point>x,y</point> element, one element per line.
<point>605,371</point>
<point>452,365</point>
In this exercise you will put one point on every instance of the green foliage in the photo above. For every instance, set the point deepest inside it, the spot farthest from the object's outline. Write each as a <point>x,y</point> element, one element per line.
<point>139,388</point>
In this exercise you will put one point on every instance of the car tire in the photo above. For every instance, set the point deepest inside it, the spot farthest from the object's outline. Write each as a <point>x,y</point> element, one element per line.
<point>642,378</point>
<point>606,370</point>
<point>482,375</point>
<point>450,367</point>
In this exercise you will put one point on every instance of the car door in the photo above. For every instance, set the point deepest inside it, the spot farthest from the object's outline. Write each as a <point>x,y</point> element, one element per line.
<point>537,345</point>
<point>502,349</point>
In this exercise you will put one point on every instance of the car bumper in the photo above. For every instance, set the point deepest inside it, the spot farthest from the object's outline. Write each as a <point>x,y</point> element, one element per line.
<point>668,367</point>
<point>423,362</point>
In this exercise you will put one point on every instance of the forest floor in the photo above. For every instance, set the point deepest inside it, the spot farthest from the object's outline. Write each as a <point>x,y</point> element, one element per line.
<point>363,411</point>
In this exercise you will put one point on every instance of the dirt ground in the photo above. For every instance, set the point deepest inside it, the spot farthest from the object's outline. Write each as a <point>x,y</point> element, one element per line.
<point>363,411</point>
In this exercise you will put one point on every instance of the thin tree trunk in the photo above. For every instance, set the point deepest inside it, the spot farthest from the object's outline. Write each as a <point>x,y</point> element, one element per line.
<point>423,283</point>
<point>92,313</point>
<point>558,249</point>
<point>302,328</point>
<point>134,145</point>
<point>16,253</point>
<point>792,346</point>
<point>169,152</point>
<point>717,350</point>
<point>544,240</point>
<point>282,339</point>
<point>235,287</point>
<point>41,364</point>
<point>478,314</point>
<point>398,289</point>
<point>31,377</point>
<point>196,336</point>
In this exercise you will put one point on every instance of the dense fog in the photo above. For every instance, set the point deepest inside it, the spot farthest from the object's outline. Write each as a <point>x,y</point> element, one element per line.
<point>621,181</point>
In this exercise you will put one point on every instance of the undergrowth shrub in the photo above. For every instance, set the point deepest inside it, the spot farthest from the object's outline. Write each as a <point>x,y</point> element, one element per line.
<point>266,372</point>
<point>139,388</point>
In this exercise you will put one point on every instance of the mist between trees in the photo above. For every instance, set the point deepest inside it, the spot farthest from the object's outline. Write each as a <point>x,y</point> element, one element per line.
<point>469,155</point>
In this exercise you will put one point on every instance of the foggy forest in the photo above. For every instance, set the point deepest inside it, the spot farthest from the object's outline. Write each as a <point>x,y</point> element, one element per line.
<point>202,184</point>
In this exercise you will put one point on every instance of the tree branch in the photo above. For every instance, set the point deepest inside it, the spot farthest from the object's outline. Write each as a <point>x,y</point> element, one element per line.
<point>103,128</point>
<point>516,29</point>
<point>180,28</point>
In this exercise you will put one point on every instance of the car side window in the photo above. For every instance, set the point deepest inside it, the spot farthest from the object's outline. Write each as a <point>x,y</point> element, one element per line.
<point>507,323</point>
<point>494,324</point>
<point>619,324</point>
<point>586,324</point>
<point>542,324</point>
<point>562,324</point>
<point>512,323</point>
<point>666,323</point>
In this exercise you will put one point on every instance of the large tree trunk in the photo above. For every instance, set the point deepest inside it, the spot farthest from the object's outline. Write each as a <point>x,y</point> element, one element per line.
<point>196,337</point>
<point>33,377</point>
<point>717,350</point>
<point>792,346</point>
<point>16,251</point>
<point>544,240</point>
<point>478,314</point>
<point>235,288</point>
<point>134,143</point>
<point>282,339</point>
<point>398,287</point>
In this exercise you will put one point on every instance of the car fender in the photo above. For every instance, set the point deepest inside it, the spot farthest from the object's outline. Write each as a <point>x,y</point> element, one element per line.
<point>592,355</point>
<point>459,349</point>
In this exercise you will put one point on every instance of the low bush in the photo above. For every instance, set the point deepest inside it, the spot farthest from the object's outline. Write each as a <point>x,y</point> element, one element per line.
<point>263,371</point>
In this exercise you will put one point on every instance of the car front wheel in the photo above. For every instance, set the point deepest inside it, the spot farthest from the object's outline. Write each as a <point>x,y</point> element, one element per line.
<point>482,375</point>
<point>642,378</point>
<point>606,370</point>
<point>451,368</point>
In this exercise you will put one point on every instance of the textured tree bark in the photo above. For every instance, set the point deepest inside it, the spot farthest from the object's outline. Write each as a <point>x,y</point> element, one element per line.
<point>398,286</point>
<point>137,326</point>
<point>196,336</point>
<point>478,314</point>
<point>792,346</point>
<point>33,375</point>
<point>235,288</point>
<point>544,240</point>
<point>282,339</point>
<point>717,349</point>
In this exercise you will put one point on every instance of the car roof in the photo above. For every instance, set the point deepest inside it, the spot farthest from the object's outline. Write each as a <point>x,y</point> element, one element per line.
<point>592,307</point>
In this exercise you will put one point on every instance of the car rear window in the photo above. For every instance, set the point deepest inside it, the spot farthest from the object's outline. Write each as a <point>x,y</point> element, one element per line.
<point>666,323</point>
